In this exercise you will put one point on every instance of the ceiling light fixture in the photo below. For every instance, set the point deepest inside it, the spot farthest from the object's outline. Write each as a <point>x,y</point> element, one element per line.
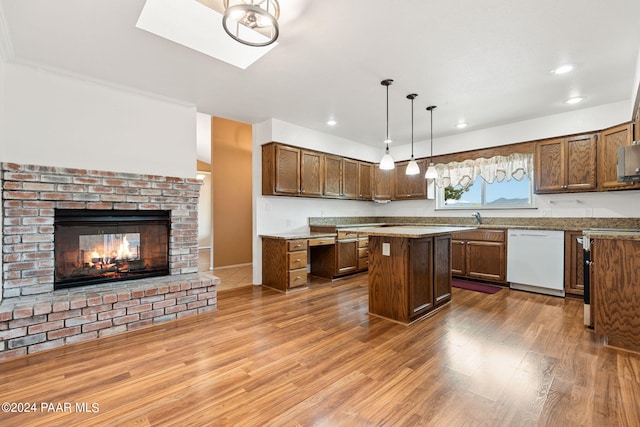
<point>563,69</point>
<point>461,125</point>
<point>431,170</point>
<point>331,122</point>
<point>574,100</point>
<point>244,18</point>
<point>387,163</point>
<point>412,167</point>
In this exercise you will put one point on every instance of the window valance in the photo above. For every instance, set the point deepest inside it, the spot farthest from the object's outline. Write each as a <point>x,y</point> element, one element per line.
<point>498,168</point>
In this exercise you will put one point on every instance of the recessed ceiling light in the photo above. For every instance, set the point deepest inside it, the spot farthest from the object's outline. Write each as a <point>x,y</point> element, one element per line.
<point>461,125</point>
<point>563,69</point>
<point>331,122</point>
<point>574,100</point>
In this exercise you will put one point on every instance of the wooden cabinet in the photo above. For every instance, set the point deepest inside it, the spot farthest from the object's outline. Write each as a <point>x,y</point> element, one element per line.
<point>280,170</point>
<point>615,291</point>
<point>350,179</point>
<point>573,263</point>
<point>332,176</point>
<point>311,178</point>
<point>410,186</point>
<point>566,164</point>
<point>291,171</point>
<point>383,183</point>
<point>408,277</point>
<point>441,269</point>
<point>479,254</point>
<point>363,253</point>
<point>610,140</point>
<point>284,263</point>
<point>365,173</point>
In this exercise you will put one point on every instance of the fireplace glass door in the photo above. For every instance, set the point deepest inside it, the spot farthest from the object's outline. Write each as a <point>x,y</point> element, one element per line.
<point>104,246</point>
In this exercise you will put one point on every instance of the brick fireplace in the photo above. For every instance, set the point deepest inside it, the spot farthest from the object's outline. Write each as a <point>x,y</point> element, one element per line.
<point>34,316</point>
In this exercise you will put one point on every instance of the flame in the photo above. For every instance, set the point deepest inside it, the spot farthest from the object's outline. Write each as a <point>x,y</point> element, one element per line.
<point>123,250</point>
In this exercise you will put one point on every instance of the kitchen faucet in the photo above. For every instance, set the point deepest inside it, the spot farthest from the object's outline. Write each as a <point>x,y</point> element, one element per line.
<point>477,216</point>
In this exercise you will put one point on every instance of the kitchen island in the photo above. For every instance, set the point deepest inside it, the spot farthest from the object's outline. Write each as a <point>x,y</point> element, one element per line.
<point>409,270</point>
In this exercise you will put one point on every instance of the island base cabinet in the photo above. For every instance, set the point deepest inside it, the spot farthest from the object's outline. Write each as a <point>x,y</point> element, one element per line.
<point>401,276</point>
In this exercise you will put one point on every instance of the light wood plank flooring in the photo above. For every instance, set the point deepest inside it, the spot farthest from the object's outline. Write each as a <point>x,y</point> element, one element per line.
<point>316,358</point>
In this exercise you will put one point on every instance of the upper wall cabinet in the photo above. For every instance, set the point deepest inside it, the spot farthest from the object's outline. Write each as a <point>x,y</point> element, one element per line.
<point>280,170</point>
<point>311,177</point>
<point>610,140</point>
<point>410,186</point>
<point>350,179</point>
<point>291,171</point>
<point>383,183</point>
<point>365,175</point>
<point>332,176</point>
<point>566,164</point>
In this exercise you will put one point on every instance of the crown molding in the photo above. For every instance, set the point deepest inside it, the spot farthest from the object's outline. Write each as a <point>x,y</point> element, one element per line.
<point>6,50</point>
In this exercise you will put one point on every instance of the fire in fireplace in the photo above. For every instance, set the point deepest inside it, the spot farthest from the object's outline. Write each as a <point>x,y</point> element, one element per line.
<point>97,246</point>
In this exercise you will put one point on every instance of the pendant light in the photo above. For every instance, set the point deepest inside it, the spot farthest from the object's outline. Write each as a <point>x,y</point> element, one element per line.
<point>412,167</point>
<point>431,170</point>
<point>387,163</point>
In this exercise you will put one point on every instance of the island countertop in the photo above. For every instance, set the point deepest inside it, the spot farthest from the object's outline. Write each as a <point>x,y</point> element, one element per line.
<point>407,231</point>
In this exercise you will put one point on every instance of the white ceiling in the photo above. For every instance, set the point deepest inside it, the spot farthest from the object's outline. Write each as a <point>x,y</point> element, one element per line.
<point>487,62</point>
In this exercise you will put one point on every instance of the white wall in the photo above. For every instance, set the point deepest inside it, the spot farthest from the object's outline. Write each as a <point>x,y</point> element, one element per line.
<point>59,120</point>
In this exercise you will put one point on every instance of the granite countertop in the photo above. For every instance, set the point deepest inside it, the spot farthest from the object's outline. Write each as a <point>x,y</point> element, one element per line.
<point>613,234</point>
<point>299,235</point>
<point>409,231</point>
<point>531,223</point>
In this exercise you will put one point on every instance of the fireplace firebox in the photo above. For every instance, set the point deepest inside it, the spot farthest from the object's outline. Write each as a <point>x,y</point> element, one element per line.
<point>98,246</point>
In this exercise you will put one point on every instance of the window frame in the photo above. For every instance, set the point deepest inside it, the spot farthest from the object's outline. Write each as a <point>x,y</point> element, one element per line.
<point>440,205</point>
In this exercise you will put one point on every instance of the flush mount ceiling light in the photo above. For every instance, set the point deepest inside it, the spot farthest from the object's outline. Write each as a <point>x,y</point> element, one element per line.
<point>331,122</point>
<point>387,163</point>
<point>242,19</point>
<point>461,125</point>
<point>574,100</point>
<point>412,167</point>
<point>563,69</point>
<point>431,170</point>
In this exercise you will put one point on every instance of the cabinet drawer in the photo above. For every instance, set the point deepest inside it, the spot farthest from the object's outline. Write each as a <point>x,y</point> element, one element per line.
<point>297,260</point>
<point>481,234</point>
<point>363,242</point>
<point>298,277</point>
<point>363,252</point>
<point>347,235</point>
<point>363,263</point>
<point>297,245</point>
<point>320,241</point>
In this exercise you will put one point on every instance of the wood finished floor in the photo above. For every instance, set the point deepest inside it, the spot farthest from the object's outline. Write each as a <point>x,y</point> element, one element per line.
<point>316,358</point>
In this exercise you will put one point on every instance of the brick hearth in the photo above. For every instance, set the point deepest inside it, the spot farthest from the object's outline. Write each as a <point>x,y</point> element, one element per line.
<point>34,317</point>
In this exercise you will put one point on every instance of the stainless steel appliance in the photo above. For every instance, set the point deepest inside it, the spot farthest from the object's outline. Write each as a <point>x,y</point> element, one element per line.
<point>586,254</point>
<point>629,163</point>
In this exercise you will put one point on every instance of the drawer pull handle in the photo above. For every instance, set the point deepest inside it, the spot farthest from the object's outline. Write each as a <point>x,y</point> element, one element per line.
<point>298,261</point>
<point>298,277</point>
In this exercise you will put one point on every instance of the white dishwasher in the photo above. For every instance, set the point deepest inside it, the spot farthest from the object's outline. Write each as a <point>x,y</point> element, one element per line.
<point>535,261</point>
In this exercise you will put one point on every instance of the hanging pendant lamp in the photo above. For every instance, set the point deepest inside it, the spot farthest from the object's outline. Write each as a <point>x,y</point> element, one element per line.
<point>387,163</point>
<point>412,167</point>
<point>431,170</point>
<point>253,23</point>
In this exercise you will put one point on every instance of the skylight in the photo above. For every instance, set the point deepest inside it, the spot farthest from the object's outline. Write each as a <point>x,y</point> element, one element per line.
<point>198,27</point>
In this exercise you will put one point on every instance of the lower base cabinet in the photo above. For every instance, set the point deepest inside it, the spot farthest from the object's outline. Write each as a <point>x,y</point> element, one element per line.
<point>284,263</point>
<point>573,264</point>
<point>615,291</point>
<point>412,280</point>
<point>480,254</point>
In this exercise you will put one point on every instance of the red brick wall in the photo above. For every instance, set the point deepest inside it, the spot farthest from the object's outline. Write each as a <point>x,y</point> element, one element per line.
<point>34,317</point>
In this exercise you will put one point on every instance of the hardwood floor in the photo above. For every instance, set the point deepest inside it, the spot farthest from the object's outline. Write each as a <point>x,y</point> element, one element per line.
<point>315,357</point>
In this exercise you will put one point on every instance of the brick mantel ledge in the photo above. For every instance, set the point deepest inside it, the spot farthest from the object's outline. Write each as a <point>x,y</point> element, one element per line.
<point>45,321</point>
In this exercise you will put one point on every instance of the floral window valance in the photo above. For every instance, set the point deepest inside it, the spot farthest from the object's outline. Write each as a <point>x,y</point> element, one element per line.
<point>498,168</point>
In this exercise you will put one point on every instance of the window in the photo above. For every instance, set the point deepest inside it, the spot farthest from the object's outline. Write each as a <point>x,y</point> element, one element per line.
<point>482,195</point>
<point>501,182</point>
